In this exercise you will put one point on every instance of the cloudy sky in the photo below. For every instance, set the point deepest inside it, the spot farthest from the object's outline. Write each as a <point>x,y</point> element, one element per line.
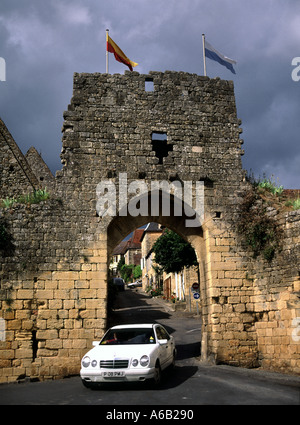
<point>45,42</point>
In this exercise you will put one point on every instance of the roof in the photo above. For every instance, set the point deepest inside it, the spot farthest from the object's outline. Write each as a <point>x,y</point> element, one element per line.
<point>121,248</point>
<point>135,241</point>
<point>139,325</point>
<point>152,228</point>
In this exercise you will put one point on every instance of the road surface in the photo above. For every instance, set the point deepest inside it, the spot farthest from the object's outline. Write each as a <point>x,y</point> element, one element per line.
<point>191,383</point>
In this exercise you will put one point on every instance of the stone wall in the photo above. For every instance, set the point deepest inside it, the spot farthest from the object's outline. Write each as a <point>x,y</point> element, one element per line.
<point>54,268</point>
<point>275,305</point>
<point>40,169</point>
<point>53,300</point>
<point>16,176</point>
<point>261,297</point>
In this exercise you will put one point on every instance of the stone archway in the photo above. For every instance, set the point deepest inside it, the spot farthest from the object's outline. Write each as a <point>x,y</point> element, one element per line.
<point>221,313</point>
<point>120,226</point>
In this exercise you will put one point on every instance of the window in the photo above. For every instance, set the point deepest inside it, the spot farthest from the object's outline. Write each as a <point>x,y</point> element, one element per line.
<point>161,333</point>
<point>149,85</point>
<point>160,146</point>
<point>129,336</point>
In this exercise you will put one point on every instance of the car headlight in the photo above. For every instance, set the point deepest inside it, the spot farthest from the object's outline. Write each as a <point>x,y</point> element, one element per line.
<point>86,361</point>
<point>144,361</point>
<point>94,363</point>
<point>135,362</point>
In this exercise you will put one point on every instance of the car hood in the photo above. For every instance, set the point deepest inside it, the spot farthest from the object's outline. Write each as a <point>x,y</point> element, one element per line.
<point>104,352</point>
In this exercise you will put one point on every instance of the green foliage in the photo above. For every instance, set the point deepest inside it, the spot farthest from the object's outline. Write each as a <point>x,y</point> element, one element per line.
<point>34,197</point>
<point>296,204</point>
<point>158,270</point>
<point>173,253</point>
<point>8,202</point>
<point>120,263</point>
<point>270,185</point>
<point>258,229</point>
<point>266,183</point>
<point>137,272</point>
<point>156,292</point>
<point>127,272</point>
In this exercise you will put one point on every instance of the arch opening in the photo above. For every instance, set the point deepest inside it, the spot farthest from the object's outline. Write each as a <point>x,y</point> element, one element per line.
<point>158,206</point>
<point>121,226</point>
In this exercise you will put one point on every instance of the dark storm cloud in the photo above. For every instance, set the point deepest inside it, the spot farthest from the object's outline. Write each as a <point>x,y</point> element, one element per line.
<point>44,43</point>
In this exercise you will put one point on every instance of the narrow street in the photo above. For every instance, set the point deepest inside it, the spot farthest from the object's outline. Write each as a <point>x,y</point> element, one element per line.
<point>133,306</point>
<point>190,384</point>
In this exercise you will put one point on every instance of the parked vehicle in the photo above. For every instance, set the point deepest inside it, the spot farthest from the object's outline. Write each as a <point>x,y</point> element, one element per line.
<point>129,353</point>
<point>136,284</point>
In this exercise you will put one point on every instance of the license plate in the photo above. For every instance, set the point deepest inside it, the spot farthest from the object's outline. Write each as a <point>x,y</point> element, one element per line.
<point>115,374</point>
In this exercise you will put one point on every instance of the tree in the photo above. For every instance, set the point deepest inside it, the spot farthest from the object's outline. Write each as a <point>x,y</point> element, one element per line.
<point>137,272</point>
<point>126,272</point>
<point>120,263</point>
<point>173,253</point>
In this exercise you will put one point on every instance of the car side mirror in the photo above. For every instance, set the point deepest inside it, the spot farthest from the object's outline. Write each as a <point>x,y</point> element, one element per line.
<point>95,343</point>
<point>163,341</point>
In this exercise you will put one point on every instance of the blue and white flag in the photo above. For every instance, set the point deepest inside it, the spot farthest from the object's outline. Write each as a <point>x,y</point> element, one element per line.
<point>212,53</point>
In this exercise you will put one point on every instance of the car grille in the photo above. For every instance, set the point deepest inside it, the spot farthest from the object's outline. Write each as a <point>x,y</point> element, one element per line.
<point>114,364</point>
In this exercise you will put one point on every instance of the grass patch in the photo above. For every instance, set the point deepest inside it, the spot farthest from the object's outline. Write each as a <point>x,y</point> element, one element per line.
<point>34,197</point>
<point>274,194</point>
<point>296,204</point>
<point>271,186</point>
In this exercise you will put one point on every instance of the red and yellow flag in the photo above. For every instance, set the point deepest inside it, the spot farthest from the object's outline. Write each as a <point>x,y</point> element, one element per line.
<point>120,56</point>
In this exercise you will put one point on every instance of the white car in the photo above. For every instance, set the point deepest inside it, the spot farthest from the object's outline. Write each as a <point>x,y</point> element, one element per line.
<point>129,353</point>
<point>136,284</point>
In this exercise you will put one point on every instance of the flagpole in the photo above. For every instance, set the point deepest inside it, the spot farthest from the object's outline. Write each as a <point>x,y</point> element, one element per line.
<point>106,52</point>
<point>204,59</point>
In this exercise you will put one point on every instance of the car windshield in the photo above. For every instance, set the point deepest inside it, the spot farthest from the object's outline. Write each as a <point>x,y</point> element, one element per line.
<point>129,336</point>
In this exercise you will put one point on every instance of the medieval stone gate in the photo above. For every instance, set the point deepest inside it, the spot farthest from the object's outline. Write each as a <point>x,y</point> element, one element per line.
<point>119,138</point>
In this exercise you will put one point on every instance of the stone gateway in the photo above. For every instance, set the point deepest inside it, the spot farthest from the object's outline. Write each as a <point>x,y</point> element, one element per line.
<point>55,254</point>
